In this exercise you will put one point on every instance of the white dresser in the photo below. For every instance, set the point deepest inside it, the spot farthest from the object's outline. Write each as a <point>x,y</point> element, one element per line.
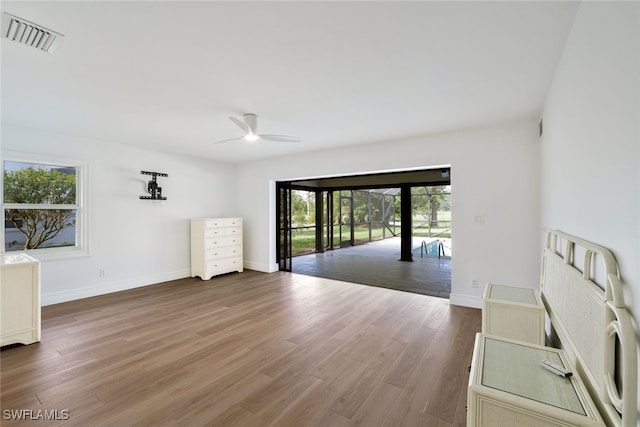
<point>216,246</point>
<point>513,312</point>
<point>19,299</point>
<point>508,387</point>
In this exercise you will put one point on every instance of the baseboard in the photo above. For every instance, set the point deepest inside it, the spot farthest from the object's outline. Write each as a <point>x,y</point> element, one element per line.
<point>259,266</point>
<point>107,288</point>
<point>465,300</point>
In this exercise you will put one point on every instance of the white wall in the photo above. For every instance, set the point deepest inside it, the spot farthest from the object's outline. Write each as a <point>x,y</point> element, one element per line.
<point>494,173</point>
<point>590,151</point>
<point>137,242</point>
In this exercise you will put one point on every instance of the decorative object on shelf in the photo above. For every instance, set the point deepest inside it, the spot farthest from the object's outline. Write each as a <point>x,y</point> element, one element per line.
<point>152,186</point>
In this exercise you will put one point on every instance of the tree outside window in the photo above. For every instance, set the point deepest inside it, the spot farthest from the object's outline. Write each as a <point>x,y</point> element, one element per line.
<point>40,205</point>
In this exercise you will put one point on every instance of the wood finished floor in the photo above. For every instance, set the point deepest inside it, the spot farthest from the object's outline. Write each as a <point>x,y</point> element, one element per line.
<point>248,349</point>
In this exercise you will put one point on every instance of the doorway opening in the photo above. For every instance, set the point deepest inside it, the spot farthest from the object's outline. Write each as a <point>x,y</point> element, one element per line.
<point>357,228</point>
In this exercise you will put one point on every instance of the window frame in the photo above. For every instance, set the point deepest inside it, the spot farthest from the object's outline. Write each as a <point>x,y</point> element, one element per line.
<point>82,244</point>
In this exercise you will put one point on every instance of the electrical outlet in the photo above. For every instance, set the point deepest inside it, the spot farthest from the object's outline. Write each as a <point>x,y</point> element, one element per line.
<point>102,273</point>
<point>474,283</point>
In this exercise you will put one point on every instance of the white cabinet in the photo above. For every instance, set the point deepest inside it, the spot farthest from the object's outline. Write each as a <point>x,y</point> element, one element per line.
<point>509,387</point>
<point>513,312</point>
<point>216,246</point>
<point>19,299</point>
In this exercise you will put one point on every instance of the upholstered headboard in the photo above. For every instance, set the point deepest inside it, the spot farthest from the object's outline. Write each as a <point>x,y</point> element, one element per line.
<point>582,292</point>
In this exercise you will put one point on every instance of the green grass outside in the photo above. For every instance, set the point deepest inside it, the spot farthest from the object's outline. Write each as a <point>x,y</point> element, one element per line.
<point>304,240</point>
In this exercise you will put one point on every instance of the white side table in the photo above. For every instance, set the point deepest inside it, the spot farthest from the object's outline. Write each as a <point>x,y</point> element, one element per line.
<point>513,312</point>
<point>508,387</point>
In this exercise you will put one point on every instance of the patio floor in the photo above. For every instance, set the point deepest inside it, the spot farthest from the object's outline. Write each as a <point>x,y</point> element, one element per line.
<point>377,264</point>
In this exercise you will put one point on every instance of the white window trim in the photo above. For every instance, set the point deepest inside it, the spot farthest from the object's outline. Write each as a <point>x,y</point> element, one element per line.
<point>82,247</point>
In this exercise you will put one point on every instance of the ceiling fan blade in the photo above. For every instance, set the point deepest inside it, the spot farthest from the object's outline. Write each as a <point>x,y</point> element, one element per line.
<point>280,138</point>
<point>242,125</point>
<point>238,138</point>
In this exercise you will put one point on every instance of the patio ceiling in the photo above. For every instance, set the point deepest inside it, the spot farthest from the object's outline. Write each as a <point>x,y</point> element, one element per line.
<point>379,182</point>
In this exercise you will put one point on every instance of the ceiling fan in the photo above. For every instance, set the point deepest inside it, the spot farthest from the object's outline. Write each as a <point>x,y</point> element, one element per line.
<point>250,128</point>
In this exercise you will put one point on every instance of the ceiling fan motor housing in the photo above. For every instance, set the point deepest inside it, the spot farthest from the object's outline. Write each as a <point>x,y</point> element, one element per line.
<point>252,121</point>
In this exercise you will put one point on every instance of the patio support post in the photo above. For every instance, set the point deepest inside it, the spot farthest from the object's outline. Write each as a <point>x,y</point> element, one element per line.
<point>330,219</point>
<point>352,234</point>
<point>405,223</point>
<point>384,218</point>
<point>319,221</point>
<point>369,215</point>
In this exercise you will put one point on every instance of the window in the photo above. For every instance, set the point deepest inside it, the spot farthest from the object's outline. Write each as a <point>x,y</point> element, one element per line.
<point>43,208</point>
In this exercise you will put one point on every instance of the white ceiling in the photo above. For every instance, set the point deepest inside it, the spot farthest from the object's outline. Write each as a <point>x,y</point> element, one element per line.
<point>167,75</point>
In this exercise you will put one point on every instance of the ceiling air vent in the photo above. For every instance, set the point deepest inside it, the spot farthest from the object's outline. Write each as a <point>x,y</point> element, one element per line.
<point>29,34</point>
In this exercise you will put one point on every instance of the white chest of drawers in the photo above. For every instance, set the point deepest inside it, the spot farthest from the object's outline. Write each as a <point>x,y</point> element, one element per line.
<point>508,387</point>
<point>20,299</point>
<point>216,246</point>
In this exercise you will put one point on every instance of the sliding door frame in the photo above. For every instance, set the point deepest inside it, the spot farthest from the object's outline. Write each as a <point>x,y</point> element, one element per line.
<point>283,219</point>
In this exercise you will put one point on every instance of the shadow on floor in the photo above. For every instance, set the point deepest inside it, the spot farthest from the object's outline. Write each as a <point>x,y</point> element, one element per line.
<point>377,264</point>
